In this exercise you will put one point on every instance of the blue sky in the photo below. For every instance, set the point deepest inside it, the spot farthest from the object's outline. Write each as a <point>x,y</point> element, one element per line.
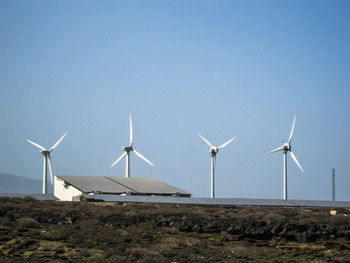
<point>221,68</point>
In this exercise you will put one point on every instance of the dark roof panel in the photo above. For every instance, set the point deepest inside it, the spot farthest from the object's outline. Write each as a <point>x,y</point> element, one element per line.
<point>148,186</point>
<point>88,184</point>
<point>120,185</point>
<point>216,201</point>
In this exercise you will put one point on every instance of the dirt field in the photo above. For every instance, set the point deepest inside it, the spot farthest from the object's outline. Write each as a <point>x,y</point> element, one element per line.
<point>49,231</point>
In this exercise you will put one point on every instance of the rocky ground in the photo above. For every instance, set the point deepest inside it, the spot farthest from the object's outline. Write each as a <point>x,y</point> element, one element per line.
<point>51,231</point>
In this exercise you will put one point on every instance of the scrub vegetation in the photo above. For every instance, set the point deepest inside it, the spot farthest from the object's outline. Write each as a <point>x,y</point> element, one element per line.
<point>52,231</point>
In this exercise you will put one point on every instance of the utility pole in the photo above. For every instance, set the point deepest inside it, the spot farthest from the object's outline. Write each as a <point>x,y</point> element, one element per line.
<point>333,185</point>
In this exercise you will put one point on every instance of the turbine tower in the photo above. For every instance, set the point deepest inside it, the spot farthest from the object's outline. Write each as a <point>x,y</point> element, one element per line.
<point>214,150</point>
<point>47,159</point>
<point>127,150</point>
<point>286,147</point>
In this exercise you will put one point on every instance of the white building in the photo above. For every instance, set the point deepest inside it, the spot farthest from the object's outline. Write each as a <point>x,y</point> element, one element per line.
<point>71,188</point>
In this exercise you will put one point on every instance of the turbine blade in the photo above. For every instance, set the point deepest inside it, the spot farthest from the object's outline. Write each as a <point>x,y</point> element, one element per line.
<point>143,157</point>
<point>58,142</point>
<point>276,150</point>
<point>205,140</point>
<point>226,143</point>
<point>296,161</point>
<point>292,131</point>
<point>37,145</point>
<point>50,168</point>
<point>130,130</point>
<point>121,157</point>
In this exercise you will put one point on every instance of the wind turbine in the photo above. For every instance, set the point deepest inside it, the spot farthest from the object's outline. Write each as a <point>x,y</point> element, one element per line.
<point>127,150</point>
<point>47,159</point>
<point>214,150</point>
<point>286,147</point>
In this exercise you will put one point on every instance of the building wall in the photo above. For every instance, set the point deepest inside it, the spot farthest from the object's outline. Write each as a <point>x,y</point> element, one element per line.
<point>65,192</point>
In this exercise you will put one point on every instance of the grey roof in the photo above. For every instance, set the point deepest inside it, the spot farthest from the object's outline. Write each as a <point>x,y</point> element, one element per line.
<point>147,199</point>
<point>41,197</point>
<point>147,185</point>
<point>320,203</point>
<point>119,185</point>
<point>89,184</point>
<point>217,201</point>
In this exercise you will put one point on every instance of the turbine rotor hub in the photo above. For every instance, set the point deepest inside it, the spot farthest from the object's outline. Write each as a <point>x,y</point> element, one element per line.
<point>287,147</point>
<point>213,151</point>
<point>127,148</point>
<point>46,152</point>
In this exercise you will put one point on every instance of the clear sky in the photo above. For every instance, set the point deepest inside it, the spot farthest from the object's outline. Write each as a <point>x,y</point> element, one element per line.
<point>221,68</point>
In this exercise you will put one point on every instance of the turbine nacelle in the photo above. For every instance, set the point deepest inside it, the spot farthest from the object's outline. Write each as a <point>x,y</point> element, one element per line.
<point>287,147</point>
<point>213,151</point>
<point>127,148</point>
<point>45,152</point>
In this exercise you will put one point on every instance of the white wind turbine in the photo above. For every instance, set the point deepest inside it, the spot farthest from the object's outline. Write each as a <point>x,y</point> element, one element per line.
<point>127,150</point>
<point>286,147</point>
<point>214,150</point>
<point>47,159</point>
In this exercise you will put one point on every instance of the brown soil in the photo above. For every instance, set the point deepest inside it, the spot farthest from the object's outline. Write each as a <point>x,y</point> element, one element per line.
<point>49,231</point>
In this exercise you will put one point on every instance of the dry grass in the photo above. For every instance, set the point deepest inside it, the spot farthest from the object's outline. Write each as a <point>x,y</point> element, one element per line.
<point>46,231</point>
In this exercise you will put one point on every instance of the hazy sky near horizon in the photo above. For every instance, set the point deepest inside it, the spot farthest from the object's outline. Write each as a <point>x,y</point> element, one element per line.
<point>221,68</point>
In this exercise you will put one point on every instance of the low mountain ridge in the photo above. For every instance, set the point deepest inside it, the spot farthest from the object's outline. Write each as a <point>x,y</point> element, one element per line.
<point>15,184</point>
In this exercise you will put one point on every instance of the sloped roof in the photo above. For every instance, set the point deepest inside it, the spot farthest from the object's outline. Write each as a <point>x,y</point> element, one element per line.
<point>88,184</point>
<point>217,201</point>
<point>119,185</point>
<point>147,185</point>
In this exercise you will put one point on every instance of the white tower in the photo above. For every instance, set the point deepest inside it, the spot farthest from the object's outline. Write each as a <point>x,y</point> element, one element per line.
<point>127,150</point>
<point>47,160</point>
<point>213,151</point>
<point>286,147</point>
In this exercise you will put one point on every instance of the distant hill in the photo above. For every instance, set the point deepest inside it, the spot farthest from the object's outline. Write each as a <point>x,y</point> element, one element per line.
<point>15,184</point>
